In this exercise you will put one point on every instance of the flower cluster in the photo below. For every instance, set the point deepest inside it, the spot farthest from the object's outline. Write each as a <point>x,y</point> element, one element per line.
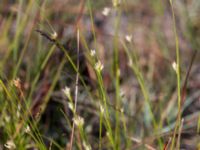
<point>175,66</point>
<point>66,91</point>
<point>129,38</point>
<point>78,121</point>
<point>98,66</point>
<point>106,11</point>
<point>92,52</point>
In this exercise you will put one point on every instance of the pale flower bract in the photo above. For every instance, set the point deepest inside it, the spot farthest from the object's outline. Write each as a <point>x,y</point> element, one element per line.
<point>66,91</point>
<point>129,38</point>
<point>99,66</point>
<point>92,52</point>
<point>54,35</point>
<point>10,145</point>
<point>78,121</point>
<point>106,11</point>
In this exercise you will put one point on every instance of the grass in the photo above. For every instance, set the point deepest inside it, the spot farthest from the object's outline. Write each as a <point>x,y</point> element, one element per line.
<point>74,78</point>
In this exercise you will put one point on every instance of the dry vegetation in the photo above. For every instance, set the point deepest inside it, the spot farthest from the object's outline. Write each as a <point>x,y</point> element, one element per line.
<point>85,74</point>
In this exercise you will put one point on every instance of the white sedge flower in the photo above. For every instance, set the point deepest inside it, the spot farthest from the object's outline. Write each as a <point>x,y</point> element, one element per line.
<point>78,121</point>
<point>98,66</point>
<point>71,106</point>
<point>106,11</point>
<point>54,35</point>
<point>174,66</point>
<point>17,83</point>
<point>92,52</point>
<point>10,144</point>
<point>66,91</point>
<point>27,129</point>
<point>129,38</point>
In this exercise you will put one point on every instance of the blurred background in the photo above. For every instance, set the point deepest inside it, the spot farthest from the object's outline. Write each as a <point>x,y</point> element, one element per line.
<point>34,70</point>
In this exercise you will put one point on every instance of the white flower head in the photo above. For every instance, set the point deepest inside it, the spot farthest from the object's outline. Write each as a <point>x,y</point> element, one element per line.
<point>106,11</point>
<point>129,38</point>
<point>99,66</point>
<point>54,35</point>
<point>92,52</point>
<point>174,66</point>
<point>78,121</point>
<point>10,144</point>
<point>27,129</point>
<point>71,106</point>
<point>17,83</point>
<point>66,91</point>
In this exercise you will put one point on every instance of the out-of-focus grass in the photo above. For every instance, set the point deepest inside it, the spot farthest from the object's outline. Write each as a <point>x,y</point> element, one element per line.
<point>127,96</point>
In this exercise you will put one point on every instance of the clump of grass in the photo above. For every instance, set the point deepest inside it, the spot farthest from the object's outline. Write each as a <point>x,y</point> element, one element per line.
<point>35,69</point>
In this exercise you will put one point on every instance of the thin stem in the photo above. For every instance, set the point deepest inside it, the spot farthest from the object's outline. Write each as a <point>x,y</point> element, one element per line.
<point>76,88</point>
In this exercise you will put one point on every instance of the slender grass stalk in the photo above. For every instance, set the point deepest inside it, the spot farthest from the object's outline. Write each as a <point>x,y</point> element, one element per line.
<point>179,135</point>
<point>92,22</point>
<point>76,89</point>
<point>198,125</point>
<point>12,97</point>
<point>16,42</point>
<point>5,34</point>
<point>22,54</point>
<point>133,63</point>
<point>101,89</point>
<point>35,80</point>
<point>21,22</point>
<point>134,66</point>
<point>106,114</point>
<point>178,75</point>
<point>53,84</point>
<point>116,77</point>
<point>100,127</point>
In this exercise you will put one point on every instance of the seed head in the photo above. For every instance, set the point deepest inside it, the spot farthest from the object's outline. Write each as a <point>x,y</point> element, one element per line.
<point>54,35</point>
<point>175,66</point>
<point>92,52</point>
<point>66,91</point>
<point>129,38</point>
<point>78,121</point>
<point>106,11</point>
<point>99,66</point>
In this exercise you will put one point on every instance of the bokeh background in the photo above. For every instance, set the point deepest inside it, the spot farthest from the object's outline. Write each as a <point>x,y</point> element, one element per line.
<point>41,70</point>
